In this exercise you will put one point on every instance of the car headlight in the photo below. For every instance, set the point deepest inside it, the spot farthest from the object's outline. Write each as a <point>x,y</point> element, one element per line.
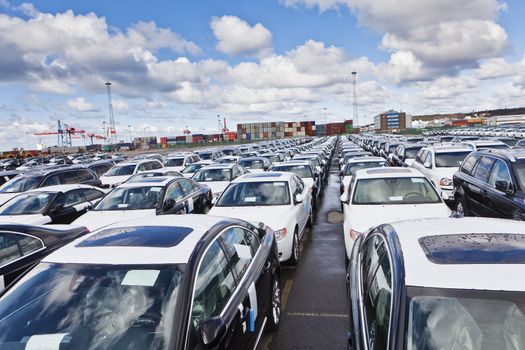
<point>445,182</point>
<point>280,234</point>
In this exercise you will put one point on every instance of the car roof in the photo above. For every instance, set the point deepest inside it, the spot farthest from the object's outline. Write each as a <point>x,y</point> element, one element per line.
<point>420,271</point>
<point>295,162</point>
<point>167,239</point>
<point>264,176</point>
<point>512,154</point>
<point>62,188</point>
<point>383,172</point>
<point>151,181</point>
<point>218,166</point>
<point>449,147</point>
<point>366,159</point>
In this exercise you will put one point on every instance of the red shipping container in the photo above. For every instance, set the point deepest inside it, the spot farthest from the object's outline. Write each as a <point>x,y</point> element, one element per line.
<point>163,140</point>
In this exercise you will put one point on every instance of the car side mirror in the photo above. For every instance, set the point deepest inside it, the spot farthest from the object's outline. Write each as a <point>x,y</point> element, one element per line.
<point>169,203</point>
<point>504,186</point>
<point>298,198</point>
<point>345,198</point>
<point>214,200</point>
<point>427,165</point>
<point>213,331</point>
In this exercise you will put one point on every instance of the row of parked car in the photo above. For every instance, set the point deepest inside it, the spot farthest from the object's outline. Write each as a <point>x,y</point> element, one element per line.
<point>126,274</point>
<point>435,279</point>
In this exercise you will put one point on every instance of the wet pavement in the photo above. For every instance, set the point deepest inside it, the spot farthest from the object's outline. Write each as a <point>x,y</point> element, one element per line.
<point>315,311</point>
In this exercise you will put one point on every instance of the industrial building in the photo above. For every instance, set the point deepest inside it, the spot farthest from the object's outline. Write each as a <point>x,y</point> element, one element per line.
<point>517,119</point>
<point>392,120</point>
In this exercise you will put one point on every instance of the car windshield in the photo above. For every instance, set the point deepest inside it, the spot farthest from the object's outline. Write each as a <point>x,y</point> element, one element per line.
<point>465,319</point>
<point>392,190</point>
<point>226,161</point>
<point>131,198</point>
<point>208,175</point>
<point>26,204</point>
<point>252,164</point>
<point>494,146</point>
<point>102,307</point>
<point>120,170</point>
<point>314,160</point>
<point>410,153</point>
<point>190,169</point>
<point>228,152</point>
<point>450,159</point>
<point>303,171</point>
<point>255,194</point>
<point>351,168</point>
<point>273,159</point>
<point>21,184</point>
<point>174,162</point>
<point>206,156</point>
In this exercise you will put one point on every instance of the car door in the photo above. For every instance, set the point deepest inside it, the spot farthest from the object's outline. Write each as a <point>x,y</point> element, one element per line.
<point>499,203</point>
<point>172,202</point>
<point>476,187</point>
<point>375,293</point>
<point>303,208</point>
<point>194,200</point>
<point>17,253</point>
<point>242,246</point>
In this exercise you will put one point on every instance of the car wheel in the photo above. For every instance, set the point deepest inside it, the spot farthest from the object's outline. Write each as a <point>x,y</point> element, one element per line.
<point>296,251</point>
<point>274,313</point>
<point>461,207</point>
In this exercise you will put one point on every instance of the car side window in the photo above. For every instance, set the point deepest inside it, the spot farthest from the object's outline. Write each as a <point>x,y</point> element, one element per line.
<point>74,197</point>
<point>14,246</point>
<point>377,301</point>
<point>428,158</point>
<point>483,168</point>
<point>238,246</point>
<point>372,250</point>
<point>500,172</point>
<point>155,165</point>
<point>141,167</point>
<point>300,184</point>
<point>174,191</point>
<point>69,177</point>
<point>468,164</point>
<point>187,187</point>
<point>92,195</point>
<point>236,172</point>
<point>84,176</point>
<point>214,285</point>
<point>51,180</point>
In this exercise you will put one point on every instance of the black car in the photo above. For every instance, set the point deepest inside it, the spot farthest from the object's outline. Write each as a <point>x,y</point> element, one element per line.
<point>100,167</point>
<point>22,246</point>
<point>48,177</point>
<point>10,164</point>
<point>405,154</point>
<point>189,282</point>
<point>7,175</point>
<point>491,183</point>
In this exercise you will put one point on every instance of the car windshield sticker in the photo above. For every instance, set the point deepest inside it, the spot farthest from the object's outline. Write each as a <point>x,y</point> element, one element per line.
<point>395,198</point>
<point>208,179</point>
<point>417,180</point>
<point>279,184</point>
<point>122,205</point>
<point>143,278</point>
<point>156,189</point>
<point>243,251</point>
<point>45,341</point>
<point>250,199</point>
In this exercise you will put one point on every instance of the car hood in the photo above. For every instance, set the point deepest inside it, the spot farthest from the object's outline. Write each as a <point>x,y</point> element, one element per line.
<point>4,197</point>
<point>265,214</point>
<point>362,217</point>
<point>32,219</point>
<point>216,186</point>
<point>94,220</point>
<point>112,180</point>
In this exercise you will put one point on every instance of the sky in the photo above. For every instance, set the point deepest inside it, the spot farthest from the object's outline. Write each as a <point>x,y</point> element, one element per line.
<point>178,63</point>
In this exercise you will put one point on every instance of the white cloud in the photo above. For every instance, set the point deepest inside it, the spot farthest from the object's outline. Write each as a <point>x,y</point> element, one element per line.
<point>237,37</point>
<point>120,105</point>
<point>495,68</point>
<point>81,105</point>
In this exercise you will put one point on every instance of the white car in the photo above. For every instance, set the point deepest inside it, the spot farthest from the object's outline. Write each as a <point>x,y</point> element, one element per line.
<point>279,199</point>
<point>218,176</point>
<point>193,168</point>
<point>123,171</point>
<point>228,160</point>
<point>155,196</point>
<point>275,158</point>
<point>488,144</point>
<point>255,164</point>
<point>439,163</point>
<point>179,162</point>
<point>348,170</point>
<point>379,195</point>
<point>60,204</point>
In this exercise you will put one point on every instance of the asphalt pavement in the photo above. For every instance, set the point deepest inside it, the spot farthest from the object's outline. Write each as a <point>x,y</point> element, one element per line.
<point>315,311</point>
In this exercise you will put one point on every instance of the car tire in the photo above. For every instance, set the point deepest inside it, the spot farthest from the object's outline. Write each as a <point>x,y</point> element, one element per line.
<point>274,312</point>
<point>296,249</point>
<point>461,207</point>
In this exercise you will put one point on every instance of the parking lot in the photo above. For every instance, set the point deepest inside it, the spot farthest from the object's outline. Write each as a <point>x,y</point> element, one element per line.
<point>314,293</point>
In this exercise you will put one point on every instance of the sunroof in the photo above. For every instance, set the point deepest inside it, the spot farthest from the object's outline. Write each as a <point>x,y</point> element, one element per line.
<point>138,236</point>
<point>475,248</point>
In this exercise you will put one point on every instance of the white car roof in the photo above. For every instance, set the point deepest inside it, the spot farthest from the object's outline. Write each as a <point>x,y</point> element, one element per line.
<point>149,182</point>
<point>366,159</point>
<point>62,188</point>
<point>451,147</point>
<point>385,172</point>
<point>264,176</point>
<point>218,166</point>
<point>420,271</point>
<point>97,250</point>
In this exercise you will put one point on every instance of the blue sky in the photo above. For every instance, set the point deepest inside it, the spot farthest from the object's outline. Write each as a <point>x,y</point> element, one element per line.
<point>178,63</point>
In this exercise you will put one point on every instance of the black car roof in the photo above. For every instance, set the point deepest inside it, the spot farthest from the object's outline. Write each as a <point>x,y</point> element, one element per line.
<point>46,234</point>
<point>511,154</point>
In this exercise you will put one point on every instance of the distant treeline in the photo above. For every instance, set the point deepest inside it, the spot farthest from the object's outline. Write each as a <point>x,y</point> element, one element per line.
<point>487,113</point>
